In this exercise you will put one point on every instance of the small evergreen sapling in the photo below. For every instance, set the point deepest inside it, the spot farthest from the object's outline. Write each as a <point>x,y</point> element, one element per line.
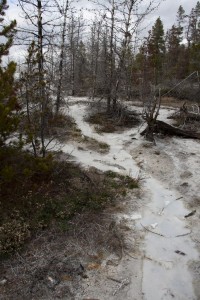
<point>8,101</point>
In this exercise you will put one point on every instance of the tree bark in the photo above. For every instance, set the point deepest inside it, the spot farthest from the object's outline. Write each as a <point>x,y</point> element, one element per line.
<point>60,78</point>
<point>41,76</point>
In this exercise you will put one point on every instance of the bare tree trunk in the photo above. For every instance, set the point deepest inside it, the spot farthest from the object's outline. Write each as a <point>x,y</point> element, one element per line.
<point>27,97</point>
<point>125,44</point>
<point>72,49</point>
<point>41,77</point>
<point>110,92</point>
<point>60,78</point>
<point>96,62</point>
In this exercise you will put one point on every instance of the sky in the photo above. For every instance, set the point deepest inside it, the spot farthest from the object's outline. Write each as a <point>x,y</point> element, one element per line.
<point>167,12</point>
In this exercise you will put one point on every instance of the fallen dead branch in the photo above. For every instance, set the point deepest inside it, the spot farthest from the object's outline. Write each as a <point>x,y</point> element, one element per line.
<point>162,127</point>
<point>187,113</point>
<point>180,252</point>
<point>113,279</point>
<point>184,234</point>
<point>147,229</point>
<point>121,285</point>
<point>190,214</point>
<point>179,198</point>
<point>168,237</point>
<point>162,210</point>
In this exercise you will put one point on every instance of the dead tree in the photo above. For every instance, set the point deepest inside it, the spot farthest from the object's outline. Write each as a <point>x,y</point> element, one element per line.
<point>150,114</point>
<point>111,56</point>
<point>63,12</point>
<point>131,19</point>
<point>95,50</point>
<point>186,113</point>
<point>162,127</point>
<point>35,29</point>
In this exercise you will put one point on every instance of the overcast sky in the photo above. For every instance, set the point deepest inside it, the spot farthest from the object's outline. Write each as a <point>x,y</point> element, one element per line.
<point>167,12</point>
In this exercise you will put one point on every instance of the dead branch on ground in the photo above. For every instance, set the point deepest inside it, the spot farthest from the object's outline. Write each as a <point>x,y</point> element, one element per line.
<point>162,127</point>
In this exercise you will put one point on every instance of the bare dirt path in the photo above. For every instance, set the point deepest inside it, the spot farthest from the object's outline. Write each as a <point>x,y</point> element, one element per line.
<point>165,264</point>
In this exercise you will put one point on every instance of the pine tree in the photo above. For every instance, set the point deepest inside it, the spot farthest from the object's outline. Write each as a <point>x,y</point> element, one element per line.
<point>194,24</point>
<point>193,36</point>
<point>173,51</point>
<point>156,49</point>
<point>181,18</point>
<point>8,101</point>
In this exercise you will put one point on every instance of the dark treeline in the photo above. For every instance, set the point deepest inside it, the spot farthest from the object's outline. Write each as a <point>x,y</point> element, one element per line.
<point>107,63</point>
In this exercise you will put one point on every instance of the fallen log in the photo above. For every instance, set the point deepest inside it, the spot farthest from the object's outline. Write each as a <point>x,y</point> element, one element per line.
<point>188,116</point>
<point>193,116</point>
<point>162,127</point>
<point>187,112</point>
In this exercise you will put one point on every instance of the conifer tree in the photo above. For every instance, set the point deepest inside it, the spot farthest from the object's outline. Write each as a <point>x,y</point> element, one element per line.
<point>156,49</point>
<point>173,47</point>
<point>181,18</point>
<point>8,101</point>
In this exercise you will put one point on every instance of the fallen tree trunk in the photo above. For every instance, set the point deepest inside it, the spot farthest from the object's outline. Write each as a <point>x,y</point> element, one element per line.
<point>162,127</point>
<point>188,116</point>
<point>193,116</point>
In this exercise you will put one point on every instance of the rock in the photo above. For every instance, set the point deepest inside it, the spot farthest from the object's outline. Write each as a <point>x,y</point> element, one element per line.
<point>184,184</point>
<point>3,281</point>
<point>157,152</point>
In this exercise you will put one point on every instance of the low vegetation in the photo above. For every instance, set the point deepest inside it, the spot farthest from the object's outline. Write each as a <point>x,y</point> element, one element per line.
<point>92,144</point>
<point>110,123</point>
<point>38,192</point>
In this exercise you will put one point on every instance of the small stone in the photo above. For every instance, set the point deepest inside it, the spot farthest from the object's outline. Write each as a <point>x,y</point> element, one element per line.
<point>185,184</point>
<point>157,152</point>
<point>3,281</point>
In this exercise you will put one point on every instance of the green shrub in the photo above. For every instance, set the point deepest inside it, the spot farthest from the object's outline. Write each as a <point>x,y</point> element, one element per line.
<point>7,173</point>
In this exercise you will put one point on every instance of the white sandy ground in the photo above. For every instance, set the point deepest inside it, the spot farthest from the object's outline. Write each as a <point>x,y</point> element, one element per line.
<point>171,175</point>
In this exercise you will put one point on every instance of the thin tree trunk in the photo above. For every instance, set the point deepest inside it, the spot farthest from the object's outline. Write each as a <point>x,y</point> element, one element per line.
<point>29,119</point>
<point>72,58</point>
<point>96,63</point>
<point>41,77</point>
<point>110,92</point>
<point>60,78</point>
<point>125,45</point>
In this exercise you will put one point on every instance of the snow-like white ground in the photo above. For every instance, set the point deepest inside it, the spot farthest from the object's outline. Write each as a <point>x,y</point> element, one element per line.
<point>168,248</point>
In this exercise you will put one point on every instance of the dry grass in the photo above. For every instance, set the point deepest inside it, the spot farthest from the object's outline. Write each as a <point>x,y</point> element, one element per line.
<point>45,191</point>
<point>110,123</point>
<point>55,262</point>
<point>92,144</point>
<point>70,131</point>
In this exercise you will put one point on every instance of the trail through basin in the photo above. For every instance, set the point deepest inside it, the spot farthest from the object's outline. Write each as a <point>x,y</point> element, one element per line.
<point>167,248</point>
